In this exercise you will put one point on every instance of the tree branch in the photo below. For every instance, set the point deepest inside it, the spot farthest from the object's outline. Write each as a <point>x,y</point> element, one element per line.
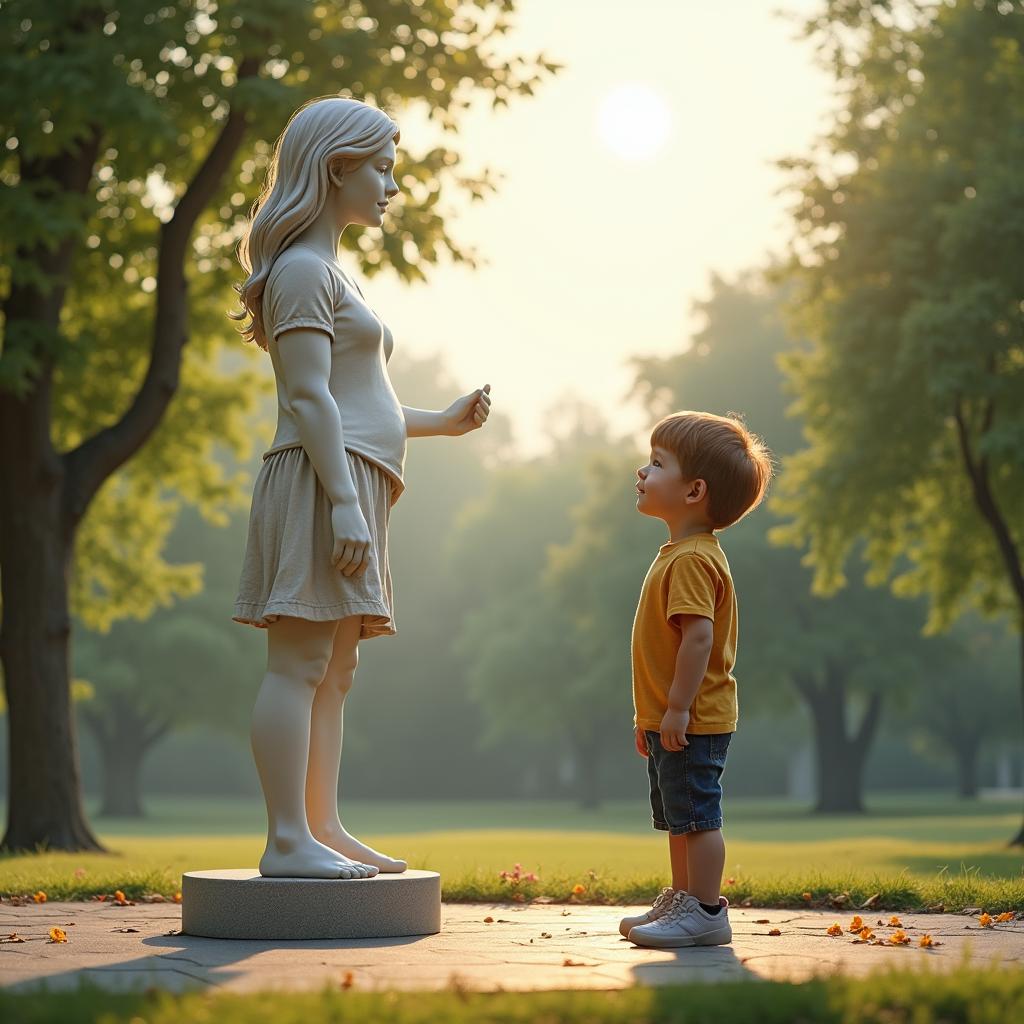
<point>92,462</point>
<point>977,472</point>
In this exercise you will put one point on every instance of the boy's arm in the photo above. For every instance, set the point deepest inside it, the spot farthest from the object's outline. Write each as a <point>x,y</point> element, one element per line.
<point>691,665</point>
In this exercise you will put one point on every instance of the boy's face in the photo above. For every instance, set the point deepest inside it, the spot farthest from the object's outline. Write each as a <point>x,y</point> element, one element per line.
<point>661,490</point>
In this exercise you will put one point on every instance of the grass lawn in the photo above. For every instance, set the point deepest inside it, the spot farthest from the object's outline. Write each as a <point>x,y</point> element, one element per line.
<point>916,849</point>
<point>967,994</point>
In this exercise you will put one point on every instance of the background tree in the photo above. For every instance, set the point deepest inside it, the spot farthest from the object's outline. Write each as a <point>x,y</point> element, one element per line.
<point>969,703</point>
<point>910,289</point>
<point>136,138</point>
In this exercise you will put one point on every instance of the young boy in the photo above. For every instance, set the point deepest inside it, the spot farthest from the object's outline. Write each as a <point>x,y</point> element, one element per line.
<point>706,472</point>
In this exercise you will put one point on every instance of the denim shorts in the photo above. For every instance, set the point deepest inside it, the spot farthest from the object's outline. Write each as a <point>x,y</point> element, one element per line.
<point>686,791</point>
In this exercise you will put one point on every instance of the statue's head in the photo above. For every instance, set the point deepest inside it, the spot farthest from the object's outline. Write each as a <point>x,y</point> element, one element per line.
<point>329,152</point>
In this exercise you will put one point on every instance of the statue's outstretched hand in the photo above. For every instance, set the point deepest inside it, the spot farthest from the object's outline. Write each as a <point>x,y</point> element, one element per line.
<point>469,412</point>
<point>352,539</point>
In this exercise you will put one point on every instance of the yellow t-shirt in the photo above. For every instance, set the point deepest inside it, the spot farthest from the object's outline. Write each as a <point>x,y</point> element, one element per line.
<point>689,577</point>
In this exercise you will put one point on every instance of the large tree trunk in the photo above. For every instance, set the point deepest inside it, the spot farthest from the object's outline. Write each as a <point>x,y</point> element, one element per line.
<point>839,757</point>
<point>976,466</point>
<point>43,495</point>
<point>44,805</point>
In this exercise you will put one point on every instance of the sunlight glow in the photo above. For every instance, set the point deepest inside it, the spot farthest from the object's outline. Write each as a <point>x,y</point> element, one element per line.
<point>634,121</point>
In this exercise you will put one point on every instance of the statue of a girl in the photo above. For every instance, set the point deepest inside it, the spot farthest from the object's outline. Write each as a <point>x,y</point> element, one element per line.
<point>316,572</point>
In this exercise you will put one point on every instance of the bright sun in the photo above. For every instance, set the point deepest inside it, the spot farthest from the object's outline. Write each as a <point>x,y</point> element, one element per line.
<point>634,121</point>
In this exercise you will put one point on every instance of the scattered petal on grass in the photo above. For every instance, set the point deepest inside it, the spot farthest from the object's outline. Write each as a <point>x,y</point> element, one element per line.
<point>58,935</point>
<point>578,890</point>
<point>836,929</point>
<point>806,897</point>
<point>40,897</point>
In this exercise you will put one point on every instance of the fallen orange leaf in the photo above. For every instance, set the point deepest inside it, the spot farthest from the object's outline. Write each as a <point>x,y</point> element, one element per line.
<point>58,935</point>
<point>895,922</point>
<point>899,938</point>
<point>40,897</point>
<point>865,934</point>
<point>119,896</point>
<point>927,940</point>
<point>985,921</point>
<point>578,890</point>
<point>177,897</point>
<point>1006,915</point>
<point>835,929</point>
<point>856,924</point>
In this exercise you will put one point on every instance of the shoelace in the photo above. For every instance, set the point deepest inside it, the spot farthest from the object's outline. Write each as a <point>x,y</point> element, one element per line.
<point>682,904</point>
<point>664,897</point>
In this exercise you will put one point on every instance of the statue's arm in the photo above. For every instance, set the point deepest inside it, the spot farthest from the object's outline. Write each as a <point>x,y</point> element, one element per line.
<point>464,414</point>
<point>305,358</point>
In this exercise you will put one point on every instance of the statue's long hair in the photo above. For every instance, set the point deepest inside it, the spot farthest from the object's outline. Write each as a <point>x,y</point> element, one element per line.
<point>324,133</point>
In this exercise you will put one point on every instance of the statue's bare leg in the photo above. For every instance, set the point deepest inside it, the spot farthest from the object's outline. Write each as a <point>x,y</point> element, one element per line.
<point>298,652</point>
<point>326,733</point>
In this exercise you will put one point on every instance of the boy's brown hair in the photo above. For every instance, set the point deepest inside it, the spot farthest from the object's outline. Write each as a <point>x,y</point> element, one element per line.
<point>735,463</point>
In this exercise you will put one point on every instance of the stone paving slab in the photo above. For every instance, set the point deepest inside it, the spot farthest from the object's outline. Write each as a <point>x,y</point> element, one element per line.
<point>536,946</point>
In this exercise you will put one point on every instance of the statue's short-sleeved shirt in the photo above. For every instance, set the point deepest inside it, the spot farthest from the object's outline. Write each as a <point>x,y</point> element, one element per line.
<point>306,290</point>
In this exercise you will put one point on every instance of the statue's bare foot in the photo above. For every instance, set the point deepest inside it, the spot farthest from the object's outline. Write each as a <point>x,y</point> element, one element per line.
<point>310,859</point>
<point>348,846</point>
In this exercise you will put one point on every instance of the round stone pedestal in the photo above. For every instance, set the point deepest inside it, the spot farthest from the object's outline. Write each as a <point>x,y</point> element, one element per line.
<point>240,903</point>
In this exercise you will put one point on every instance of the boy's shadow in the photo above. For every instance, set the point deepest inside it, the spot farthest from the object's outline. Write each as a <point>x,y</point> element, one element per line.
<point>689,964</point>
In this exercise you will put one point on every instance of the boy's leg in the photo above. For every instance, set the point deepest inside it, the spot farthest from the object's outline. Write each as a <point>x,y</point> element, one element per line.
<point>677,851</point>
<point>705,862</point>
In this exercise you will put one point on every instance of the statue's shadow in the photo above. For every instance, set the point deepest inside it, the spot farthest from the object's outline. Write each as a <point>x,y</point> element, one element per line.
<point>180,963</point>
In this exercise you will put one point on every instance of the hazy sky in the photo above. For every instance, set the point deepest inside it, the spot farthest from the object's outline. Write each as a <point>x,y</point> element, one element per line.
<point>592,257</point>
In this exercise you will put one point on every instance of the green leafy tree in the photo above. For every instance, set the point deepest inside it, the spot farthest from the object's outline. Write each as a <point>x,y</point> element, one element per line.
<point>136,138</point>
<point>910,289</point>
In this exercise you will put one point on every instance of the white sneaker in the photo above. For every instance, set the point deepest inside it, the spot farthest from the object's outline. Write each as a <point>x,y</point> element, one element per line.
<point>685,923</point>
<point>661,905</point>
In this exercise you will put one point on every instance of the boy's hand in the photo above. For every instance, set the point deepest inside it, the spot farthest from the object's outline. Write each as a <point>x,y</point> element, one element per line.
<point>673,729</point>
<point>641,741</point>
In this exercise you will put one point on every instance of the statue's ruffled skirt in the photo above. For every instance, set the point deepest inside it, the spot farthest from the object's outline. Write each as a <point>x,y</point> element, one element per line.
<point>287,567</point>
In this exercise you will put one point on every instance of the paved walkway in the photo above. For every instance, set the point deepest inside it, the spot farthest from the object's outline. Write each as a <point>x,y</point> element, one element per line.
<point>487,947</point>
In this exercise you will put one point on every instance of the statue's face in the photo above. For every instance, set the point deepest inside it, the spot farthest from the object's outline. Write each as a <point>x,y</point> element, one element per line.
<point>367,190</point>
